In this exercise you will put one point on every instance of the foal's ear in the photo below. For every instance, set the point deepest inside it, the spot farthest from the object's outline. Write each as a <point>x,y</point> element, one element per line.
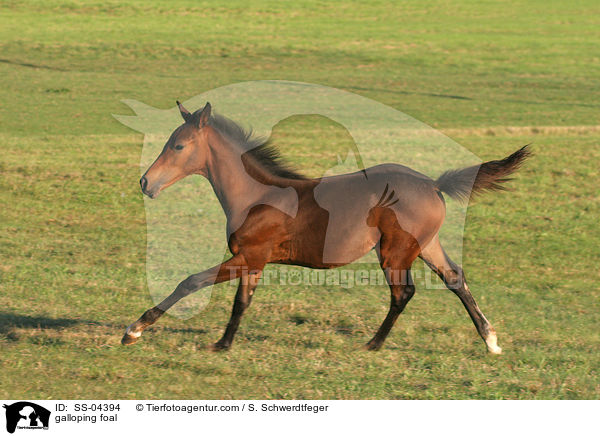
<point>187,116</point>
<point>201,116</point>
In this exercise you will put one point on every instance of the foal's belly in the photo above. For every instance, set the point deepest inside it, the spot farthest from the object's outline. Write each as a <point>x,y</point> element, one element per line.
<point>320,239</point>
<point>332,248</point>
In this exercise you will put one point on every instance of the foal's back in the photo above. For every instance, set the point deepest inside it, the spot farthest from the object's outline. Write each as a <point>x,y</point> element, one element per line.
<point>339,219</point>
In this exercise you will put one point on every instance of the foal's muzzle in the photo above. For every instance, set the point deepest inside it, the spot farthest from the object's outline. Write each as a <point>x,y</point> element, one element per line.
<point>144,183</point>
<point>144,186</point>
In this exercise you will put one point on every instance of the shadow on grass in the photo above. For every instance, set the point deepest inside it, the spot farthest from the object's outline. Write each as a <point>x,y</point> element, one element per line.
<point>463,97</point>
<point>10,321</point>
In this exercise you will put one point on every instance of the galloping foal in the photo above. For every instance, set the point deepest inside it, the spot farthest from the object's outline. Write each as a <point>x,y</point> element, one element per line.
<point>275,215</point>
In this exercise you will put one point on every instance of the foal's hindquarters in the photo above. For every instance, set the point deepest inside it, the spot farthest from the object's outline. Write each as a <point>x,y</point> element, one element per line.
<point>408,223</point>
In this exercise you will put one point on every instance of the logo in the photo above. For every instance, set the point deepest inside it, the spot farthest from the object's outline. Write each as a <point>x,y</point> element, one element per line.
<point>26,415</point>
<point>185,227</point>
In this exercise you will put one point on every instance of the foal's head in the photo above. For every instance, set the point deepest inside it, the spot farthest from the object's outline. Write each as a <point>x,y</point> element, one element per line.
<point>185,153</point>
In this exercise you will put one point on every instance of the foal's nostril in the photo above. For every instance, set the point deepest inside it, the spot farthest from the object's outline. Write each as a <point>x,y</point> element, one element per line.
<point>143,183</point>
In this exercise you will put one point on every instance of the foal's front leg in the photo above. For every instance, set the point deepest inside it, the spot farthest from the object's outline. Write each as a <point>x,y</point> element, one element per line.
<point>243,298</point>
<point>226,271</point>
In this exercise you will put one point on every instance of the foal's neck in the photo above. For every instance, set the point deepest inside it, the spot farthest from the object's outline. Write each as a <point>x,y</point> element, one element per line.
<point>238,184</point>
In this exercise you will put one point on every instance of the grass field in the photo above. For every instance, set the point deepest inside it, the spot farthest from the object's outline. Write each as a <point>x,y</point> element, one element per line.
<point>491,76</point>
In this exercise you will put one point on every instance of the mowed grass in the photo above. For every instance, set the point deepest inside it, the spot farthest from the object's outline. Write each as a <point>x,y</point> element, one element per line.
<point>73,221</point>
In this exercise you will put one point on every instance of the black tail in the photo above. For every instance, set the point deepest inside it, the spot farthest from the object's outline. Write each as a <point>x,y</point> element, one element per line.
<point>467,182</point>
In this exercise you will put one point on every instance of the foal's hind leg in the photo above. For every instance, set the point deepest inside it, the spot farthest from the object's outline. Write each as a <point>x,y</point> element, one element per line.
<point>454,279</point>
<point>396,255</point>
<point>228,270</point>
<point>401,293</point>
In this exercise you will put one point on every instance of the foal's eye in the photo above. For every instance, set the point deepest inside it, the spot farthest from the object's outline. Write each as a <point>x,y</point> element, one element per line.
<point>178,147</point>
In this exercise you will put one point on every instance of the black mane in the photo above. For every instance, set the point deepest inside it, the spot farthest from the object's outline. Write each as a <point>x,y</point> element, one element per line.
<point>257,148</point>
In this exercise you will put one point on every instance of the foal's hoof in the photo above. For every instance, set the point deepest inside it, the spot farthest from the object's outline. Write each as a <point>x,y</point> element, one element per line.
<point>219,346</point>
<point>492,344</point>
<point>128,339</point>
<point>372,346</point>
<point>130,336</point>
<point>495,350</point>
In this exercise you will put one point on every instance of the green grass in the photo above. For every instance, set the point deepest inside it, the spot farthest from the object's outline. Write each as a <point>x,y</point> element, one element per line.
<point>72,274</point>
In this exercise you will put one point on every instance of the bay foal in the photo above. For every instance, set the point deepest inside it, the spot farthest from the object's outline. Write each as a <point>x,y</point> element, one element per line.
<point>276,215</point>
